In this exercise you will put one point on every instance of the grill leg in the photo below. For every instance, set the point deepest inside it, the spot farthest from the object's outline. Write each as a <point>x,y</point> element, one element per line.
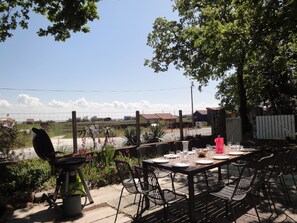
<point>85,186</point>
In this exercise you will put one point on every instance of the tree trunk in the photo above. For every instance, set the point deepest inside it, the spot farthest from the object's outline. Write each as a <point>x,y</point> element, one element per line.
<point>243,111</point>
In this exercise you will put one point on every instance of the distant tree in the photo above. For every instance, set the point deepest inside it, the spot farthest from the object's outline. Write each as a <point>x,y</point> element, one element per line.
<point>94,119</point>
<point>65,16</point>
<point>85,119</point>
<point>8,139</point>
<point>221,40</point>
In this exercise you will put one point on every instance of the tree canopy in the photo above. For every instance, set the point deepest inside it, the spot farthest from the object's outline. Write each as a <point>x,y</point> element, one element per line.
<point>65,16</point>
<point>249,45</point>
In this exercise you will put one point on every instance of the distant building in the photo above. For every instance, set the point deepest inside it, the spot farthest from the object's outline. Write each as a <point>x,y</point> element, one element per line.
<point>149,118</point>
<point>29,121</point>
<point>166,117</point>
<point>157,117</point>
<point>127,118</point>
<point>200,116</point>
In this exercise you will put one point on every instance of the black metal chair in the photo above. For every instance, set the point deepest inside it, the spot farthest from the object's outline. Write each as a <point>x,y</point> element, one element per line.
<point>153,192</point>
<point>262,176</point>
<point>147,152</point>
<point>162,148</point>
<point>65,167</point>
<point>291,165</point>
<point>243,185</point>
<point>129,182</point>
<point>281,165</point>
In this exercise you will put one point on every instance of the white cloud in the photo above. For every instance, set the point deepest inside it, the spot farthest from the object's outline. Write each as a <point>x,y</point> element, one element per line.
<point>28,101</point>
<point>31,106</point>
<point>4,103</point>
<point>58,104</point>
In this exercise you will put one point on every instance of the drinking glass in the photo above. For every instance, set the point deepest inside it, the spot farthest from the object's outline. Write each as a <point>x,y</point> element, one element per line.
<point>237,146</point>
<point>210,151</point>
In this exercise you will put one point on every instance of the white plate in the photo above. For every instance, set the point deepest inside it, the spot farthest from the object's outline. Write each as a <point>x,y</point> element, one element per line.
<point>171,156</point>
<point>160,161</point>
<point>247,149</point>
<point>220,157</point>
<point>181,165</point>
<point>233,147</point>
<point>191,152</point>
<point>235,153</point>
<point>204,162</point>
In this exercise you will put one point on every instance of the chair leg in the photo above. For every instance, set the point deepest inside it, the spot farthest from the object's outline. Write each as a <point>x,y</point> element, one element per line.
<point>254,205</point>
<point>271,198</point>
<point>226,208</point>
<point>165,212</point>
<point>233,214</point>
<point>206,181</point>
<point>294,180</point>
<point>206,207</point>
<point>284,187</point>
<point>172,176</point>
<point>138,208</point>
<point>228,174</point>
<point>119,205</point>
<point>266,195</point>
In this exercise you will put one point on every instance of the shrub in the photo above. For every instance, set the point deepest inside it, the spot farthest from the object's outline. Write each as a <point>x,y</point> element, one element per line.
<point>26,175</point>
<point>154,134</point>
<point>130,136</point>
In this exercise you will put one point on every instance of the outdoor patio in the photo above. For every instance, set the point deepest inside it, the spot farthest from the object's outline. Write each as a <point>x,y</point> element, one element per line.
<point>106,201</point>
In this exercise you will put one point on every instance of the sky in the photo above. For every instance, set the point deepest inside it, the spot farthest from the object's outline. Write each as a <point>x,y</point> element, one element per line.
<point>99,72</point>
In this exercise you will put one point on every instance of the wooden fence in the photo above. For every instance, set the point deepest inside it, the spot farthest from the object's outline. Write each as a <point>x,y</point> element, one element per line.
<point>276,127</point>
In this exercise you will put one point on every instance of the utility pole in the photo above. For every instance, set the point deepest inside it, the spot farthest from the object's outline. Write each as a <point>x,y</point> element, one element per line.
<point>192,85</point>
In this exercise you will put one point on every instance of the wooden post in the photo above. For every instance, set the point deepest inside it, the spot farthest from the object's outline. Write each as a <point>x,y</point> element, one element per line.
<point>74,131</point>
<point>138,128</point>
<point>181,125</point>
<point>192,106</point>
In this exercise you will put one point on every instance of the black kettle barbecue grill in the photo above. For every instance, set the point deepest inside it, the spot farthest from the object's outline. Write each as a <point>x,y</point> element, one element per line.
<point>66,166</point>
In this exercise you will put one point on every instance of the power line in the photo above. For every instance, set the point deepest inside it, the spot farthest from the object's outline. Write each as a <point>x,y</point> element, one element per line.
<point>91,91</point>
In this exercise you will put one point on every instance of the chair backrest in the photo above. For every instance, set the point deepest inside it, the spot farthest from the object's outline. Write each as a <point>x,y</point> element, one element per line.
<point>178,145</point>
<point>43,145</point>
<point>145,152</point>
<point>154,191</point>
<point>291,163</point>
<point>162,148</point>
<point>263,173</point>
<point>127,177</point>
<point>191,145</point>
<point>279,163</point>
<point>254,171</point>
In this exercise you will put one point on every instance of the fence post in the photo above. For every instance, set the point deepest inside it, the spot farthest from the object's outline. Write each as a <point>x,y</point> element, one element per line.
<point>74,131</point>
<point>181,124</point>
<point>138,128</point>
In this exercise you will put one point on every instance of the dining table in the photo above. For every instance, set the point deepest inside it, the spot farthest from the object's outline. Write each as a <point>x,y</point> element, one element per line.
<point>191,165</point>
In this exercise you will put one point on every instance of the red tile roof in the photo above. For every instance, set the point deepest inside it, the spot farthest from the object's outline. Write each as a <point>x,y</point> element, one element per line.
<point>166,116</point>
<point>150,116</point>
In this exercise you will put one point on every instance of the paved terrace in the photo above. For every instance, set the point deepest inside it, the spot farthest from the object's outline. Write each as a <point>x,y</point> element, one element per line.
<point>106,199</point>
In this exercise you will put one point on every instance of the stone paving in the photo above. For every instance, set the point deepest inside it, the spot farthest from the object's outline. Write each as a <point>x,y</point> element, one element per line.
<point>106,199</point>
